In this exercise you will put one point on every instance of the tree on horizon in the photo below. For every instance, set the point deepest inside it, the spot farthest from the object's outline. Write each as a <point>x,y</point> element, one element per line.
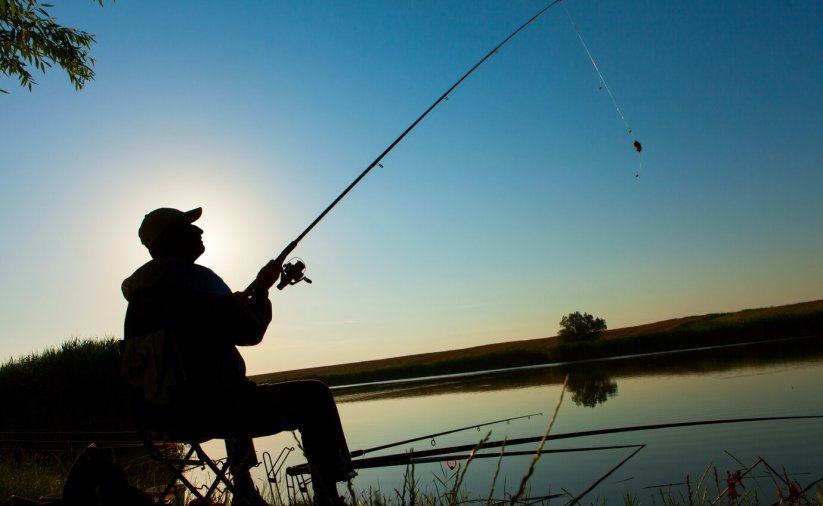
<point>580,327</point>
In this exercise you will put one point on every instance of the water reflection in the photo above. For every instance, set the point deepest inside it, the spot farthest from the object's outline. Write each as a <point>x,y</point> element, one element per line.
<point>593,382</point>
<point>589,390</point>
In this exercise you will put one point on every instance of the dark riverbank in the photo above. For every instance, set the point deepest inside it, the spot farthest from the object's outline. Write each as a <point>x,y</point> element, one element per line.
<point>76,388</point>
<point>803,323</point>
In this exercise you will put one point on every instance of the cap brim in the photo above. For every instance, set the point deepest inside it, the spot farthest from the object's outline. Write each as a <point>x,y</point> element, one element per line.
<point>193,215</point>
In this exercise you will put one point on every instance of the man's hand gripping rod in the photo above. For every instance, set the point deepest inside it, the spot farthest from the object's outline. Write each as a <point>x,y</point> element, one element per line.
<point>289,273</point>
<point>292,273</point>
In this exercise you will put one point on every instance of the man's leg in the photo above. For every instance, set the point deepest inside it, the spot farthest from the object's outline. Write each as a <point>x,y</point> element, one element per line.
<point>308,407</point>
<point>242,457</point>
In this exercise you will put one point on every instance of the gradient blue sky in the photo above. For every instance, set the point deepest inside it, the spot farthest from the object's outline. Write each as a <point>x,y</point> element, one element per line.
<point>512,204</point>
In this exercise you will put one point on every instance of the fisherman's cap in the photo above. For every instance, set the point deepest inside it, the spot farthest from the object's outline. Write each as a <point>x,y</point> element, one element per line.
<point>159,220</point>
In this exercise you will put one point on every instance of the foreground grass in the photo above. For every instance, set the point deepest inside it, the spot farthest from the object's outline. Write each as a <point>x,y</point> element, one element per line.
<point>31,475</point>
<point>33,478</point>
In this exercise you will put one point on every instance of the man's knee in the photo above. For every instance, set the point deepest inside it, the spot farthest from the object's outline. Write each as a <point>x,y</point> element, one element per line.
<point>292,396</point>
<point>316,390</point>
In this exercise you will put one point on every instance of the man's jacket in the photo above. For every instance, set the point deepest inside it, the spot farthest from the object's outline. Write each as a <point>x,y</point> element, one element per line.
<point>192,305</point>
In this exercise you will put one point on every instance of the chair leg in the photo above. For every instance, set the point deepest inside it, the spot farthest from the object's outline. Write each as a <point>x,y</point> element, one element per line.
<point>298,488</point>
<point>177,467</point>
<point>220,473</point>
<point>195,457</point>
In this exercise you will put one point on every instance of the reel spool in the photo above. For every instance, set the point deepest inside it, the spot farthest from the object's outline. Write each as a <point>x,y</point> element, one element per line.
<point>293,272</point>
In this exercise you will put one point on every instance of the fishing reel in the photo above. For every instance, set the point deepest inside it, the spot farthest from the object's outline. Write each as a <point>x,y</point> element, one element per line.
<point>292,273</point>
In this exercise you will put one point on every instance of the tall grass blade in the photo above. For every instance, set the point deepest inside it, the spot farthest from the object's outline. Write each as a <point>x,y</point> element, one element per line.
<point>525,480</point>
<point>496,471</point>
<point>462,473</point>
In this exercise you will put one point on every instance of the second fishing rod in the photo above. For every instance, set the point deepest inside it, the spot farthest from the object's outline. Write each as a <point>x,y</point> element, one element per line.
<point>295,271</point>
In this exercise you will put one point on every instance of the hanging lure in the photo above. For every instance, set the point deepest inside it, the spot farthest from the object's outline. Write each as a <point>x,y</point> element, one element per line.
<point>604,86</point>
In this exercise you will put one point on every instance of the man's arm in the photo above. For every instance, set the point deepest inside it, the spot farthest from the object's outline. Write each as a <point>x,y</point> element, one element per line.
<point>244,319</point>
<point>256,302</point>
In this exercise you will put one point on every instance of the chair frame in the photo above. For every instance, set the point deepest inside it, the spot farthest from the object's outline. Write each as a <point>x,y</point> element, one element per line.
<point>194,457</point>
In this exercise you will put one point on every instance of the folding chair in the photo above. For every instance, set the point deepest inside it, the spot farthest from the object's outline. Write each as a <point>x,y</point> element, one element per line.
<point>152,370</point>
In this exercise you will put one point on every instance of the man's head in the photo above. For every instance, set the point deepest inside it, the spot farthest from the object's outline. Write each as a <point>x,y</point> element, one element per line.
<point>168,232</point>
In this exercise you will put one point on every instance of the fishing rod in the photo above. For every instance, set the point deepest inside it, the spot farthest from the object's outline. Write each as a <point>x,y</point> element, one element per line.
<point>358,453</point>
<point>294,272</point>
<point>448,455</point>
<point>658,426</point>
<point>300,469</point>
<point>598,432</point>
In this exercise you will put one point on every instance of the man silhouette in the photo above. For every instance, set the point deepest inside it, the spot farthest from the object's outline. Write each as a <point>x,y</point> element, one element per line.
<point>173,295</point>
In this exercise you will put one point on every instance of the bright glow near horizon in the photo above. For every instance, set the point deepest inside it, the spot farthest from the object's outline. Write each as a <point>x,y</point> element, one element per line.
<point>513,203</point>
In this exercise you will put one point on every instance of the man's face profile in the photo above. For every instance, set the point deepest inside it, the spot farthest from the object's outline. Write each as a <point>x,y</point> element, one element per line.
<point>181,240</point>
<point>190,241</point>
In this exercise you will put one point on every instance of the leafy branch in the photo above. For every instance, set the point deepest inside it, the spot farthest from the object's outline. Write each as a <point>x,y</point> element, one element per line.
<point>30,36</point>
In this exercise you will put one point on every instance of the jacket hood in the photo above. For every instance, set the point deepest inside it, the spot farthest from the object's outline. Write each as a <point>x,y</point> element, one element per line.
<point>148,275</point>
<point>173,270</point>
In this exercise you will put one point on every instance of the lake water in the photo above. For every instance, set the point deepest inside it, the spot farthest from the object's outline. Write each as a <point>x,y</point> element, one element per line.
<point>600,395</point>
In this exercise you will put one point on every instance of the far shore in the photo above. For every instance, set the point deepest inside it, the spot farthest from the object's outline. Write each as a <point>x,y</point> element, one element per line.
<point>693,333</point>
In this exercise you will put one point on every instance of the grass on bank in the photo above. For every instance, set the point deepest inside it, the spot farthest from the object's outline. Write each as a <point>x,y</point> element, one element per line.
<point>73,387</point>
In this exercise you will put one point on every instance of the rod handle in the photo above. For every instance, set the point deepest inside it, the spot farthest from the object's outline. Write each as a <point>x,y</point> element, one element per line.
<point>271,264</point>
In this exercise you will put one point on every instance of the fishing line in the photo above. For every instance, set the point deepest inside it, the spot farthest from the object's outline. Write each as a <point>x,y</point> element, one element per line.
<point>604,86</point>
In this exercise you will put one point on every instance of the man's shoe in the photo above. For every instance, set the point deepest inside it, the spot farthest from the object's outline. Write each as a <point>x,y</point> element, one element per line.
<point>248,500</point>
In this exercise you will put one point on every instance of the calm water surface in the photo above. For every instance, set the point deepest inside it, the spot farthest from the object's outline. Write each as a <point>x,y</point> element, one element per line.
<point>600,396</point>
